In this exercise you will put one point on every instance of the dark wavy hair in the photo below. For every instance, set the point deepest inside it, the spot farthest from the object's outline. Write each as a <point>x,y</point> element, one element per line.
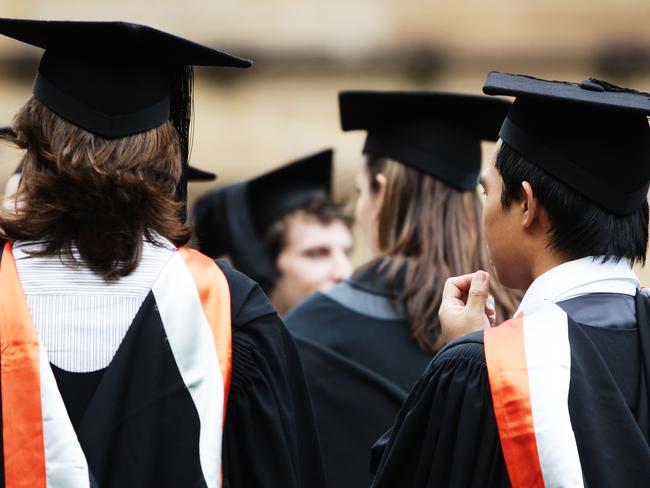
<point>102,196</point>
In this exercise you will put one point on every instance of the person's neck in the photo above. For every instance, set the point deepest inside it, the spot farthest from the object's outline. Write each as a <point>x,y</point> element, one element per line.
<point>542,262</point>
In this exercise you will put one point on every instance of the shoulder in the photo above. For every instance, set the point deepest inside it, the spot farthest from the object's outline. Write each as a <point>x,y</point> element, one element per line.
<point>316,307</point>
<point>469,348</point>
<point>247,300</point>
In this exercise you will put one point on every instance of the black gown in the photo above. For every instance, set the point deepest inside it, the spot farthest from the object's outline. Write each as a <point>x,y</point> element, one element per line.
<point>446,433</point>
<point>358,320</point>
<point>137,425</point>
<point>359,362</point>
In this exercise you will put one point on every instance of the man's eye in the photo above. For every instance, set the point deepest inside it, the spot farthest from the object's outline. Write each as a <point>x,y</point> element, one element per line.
<point>317,252</point>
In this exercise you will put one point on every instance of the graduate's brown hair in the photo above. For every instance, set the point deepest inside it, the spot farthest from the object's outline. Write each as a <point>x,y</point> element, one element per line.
<point>429,231</point>
<point>102,196</point>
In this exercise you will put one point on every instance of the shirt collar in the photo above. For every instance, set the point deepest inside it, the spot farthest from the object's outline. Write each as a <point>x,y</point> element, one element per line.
<point>22,249</point>
<point>579,277</point>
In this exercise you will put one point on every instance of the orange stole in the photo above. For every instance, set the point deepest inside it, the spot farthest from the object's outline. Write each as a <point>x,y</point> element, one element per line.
<point>22,420</point>
<point>215,299</point>
<point>508,374</point>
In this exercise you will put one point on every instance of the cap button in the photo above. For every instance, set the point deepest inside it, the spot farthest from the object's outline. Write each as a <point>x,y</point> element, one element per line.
<point>588,84</point>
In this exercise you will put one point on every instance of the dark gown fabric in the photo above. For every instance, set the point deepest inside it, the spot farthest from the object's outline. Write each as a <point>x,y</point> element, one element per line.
<point>358,320</point>
<point>446,434</point>
<point>360,361</point>
<point>137,425</point>
<point>269,438</point>
<point>352,406</point>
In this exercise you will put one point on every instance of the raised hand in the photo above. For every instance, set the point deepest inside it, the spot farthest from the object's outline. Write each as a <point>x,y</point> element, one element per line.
<point>467,305</point>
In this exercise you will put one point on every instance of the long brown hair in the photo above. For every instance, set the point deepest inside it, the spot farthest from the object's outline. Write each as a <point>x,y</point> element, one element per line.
<point>102,196</point>
<point>429,231</point>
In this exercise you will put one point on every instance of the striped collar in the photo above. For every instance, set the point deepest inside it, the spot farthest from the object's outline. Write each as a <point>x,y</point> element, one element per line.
<point>577,278</point>
<point>22,249</point>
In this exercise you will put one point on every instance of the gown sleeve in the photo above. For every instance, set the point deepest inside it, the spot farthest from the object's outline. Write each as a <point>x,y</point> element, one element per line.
<point>269,435</point>
<point>445,434</point>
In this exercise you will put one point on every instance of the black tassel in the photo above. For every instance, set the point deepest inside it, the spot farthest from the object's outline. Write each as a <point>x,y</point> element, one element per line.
<point>181,102</point>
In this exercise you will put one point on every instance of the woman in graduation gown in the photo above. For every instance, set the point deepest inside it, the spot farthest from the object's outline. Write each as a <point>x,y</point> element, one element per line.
<point>126,358</point>
<point>419,208</point>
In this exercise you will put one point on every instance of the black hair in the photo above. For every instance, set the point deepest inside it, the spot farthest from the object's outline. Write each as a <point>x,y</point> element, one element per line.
<point>579,227</point>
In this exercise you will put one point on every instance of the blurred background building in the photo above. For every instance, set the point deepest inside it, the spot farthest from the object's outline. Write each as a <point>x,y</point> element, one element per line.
<point>305,51</point>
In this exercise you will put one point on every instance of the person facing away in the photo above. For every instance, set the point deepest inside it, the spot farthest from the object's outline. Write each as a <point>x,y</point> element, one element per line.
<point>127,359</point>
<point>419,208</point>
<point>558,395</point>
<point>281,228</point>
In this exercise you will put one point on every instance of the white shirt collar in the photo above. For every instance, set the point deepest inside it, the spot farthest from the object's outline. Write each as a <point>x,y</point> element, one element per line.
<point>579,277</point>
<point>21,249</point>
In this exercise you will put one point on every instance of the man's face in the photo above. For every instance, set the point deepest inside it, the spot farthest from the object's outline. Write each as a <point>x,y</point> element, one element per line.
<point>503,231</point>
<point>315,258</point>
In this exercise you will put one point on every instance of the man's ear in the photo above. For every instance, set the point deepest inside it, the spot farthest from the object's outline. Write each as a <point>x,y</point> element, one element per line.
<point>529,206</point>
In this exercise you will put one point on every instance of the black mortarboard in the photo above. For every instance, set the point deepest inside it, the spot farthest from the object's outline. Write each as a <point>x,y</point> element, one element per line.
<point>593,136</point>
<point>233,220</point>
<point>437,133</point>
<point>116,78</point>
<point>196,174</point>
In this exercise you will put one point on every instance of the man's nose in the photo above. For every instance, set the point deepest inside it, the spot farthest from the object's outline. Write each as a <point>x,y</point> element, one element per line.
<point>342,268</point>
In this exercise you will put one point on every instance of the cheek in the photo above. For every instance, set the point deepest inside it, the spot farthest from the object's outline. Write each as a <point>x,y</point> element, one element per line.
<point>488,220</point>
<point>302,273</point>
<point>366,214</point>
<point>361,209</point>
<point>496,233</point>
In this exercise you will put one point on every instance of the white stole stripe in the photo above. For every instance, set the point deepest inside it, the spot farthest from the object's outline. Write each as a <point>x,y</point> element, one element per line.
<point>192,345</point>
<point>548,357</point>
<point>65,462</point>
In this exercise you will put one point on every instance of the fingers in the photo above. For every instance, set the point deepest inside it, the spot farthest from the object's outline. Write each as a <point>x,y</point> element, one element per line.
<point>479,292</point>
<point>457,286</point>
<point>466,305</point>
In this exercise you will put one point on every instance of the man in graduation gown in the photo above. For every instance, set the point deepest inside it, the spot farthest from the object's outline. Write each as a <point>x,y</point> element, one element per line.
<point>206,387</point>
<point>558,395</point>
<point>281,228</point>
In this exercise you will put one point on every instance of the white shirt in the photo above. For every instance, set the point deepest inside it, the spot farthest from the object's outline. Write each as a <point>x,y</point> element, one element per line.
<point>580,277</point>
<point>80,318</point>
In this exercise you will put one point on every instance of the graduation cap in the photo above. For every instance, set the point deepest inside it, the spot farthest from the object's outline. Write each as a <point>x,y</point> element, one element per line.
<point>437,133</point>
<point>117,78</point>
<point>234,219</point>
<point>196,174</point>
<point>593,136</point>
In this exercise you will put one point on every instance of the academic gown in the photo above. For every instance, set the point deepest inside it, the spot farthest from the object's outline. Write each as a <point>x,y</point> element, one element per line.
<point>352,406</point>
<point>360,361</point>
<point>446,434</point>
<point>137,425</point>
<point>359,320</point>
